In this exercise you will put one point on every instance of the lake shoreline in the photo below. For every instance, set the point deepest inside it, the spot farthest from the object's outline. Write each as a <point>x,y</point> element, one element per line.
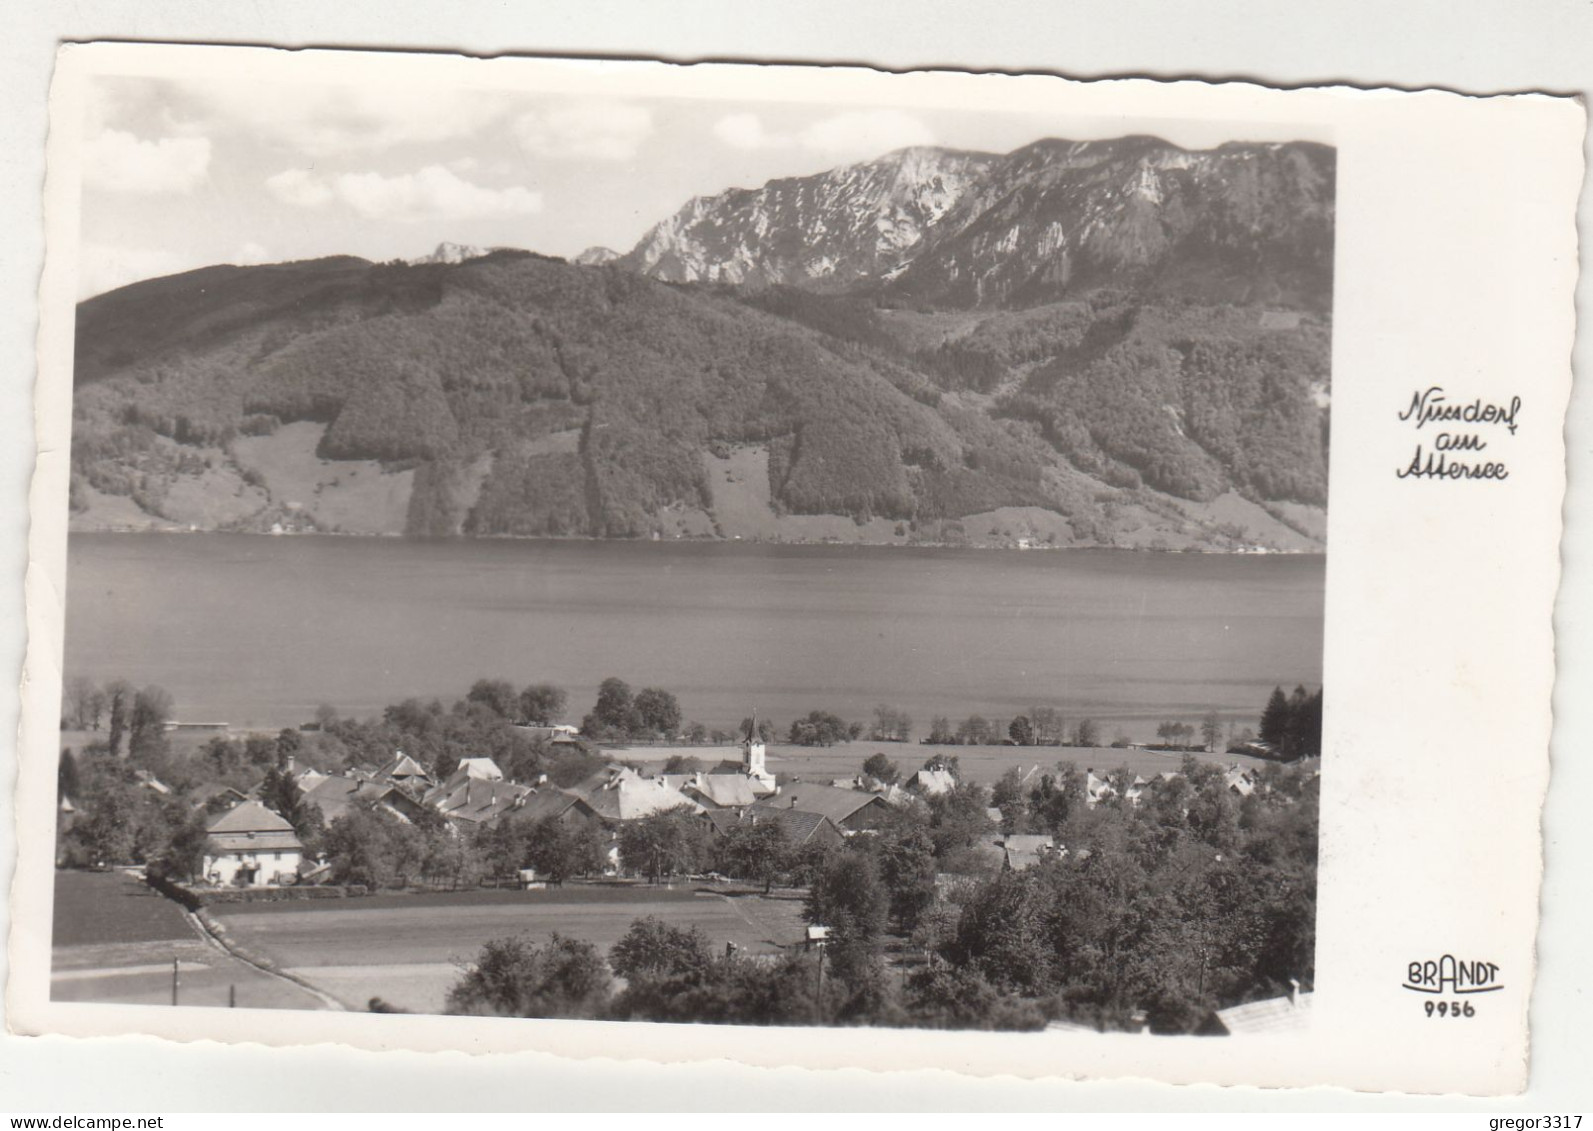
<point>704,541</point>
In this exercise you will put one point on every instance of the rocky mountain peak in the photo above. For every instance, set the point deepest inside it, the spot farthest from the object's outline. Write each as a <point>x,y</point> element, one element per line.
<point>449,252</point>
<point>596,256</point>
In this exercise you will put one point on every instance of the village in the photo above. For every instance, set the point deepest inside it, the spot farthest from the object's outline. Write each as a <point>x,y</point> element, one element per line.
<point>250,845</point>
<point>886,883</point>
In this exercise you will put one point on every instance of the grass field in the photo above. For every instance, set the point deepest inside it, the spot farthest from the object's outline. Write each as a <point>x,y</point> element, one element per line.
<point>982,764</point>
<point>407,949</point>
<point>115,940</point>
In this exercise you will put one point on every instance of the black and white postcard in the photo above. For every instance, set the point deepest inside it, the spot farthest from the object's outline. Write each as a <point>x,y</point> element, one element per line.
<point>529,551</point>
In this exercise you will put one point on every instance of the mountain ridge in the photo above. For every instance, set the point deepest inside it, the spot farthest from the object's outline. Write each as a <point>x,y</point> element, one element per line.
<point>1076,343</point>
<point>973,229</point>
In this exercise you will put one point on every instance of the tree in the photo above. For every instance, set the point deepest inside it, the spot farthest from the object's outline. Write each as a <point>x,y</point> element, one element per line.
<point>657,711</point>
<point>1048,726</point>
<point>513,977</point>
<point>879,767</point>
<point>66,776</point>
<point>1175,734</point>
<point>847,896</point>
<point>663,844</point>
<point>1211,731</point>
<point>280,793</point>
<point>1309,726</point>
<point>612,713</point>
<point>1086,733</point>
<point>655,949</point>
<point>958,818</point>
<point>1294,730</point>
<point>496,695</point>
<point>975,730</point>
<point>891,725</point>
<point>370,847</point>
<point>1008,796</point>
<point>682,764</point>
<point>559,850</point>
<point>758,851</point>
<point>84,702</point>
<point>820,728</point>
<point>184,855</point>
<point>1003,934</point>
<point>906,857</point>
<point>1274,726</point>
<point>1055,798</point>
<point>146,732</point>
<point>542,704</point>
<point>290,744</point>
<point>1021,731</point>
<point>119,698</point>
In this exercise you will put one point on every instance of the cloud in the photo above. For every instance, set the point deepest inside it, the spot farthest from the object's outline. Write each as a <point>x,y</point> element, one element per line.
<point>745,131</point>
<point>849,135</point>
<point>326,121</point>
<point>603,131</point>
<point>299,188</point>
<point>434,192</point>
<point>116,161</point>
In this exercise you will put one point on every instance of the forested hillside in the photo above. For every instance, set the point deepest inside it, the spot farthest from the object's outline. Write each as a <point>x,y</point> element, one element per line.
<point>1167,402</point>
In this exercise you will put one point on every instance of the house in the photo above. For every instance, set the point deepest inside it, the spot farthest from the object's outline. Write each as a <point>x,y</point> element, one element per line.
<point>149,781</point>
<point>715,791</point>
<point>214,796</point>
<point>250,846</point>
<point>1024,850</point>
<point>624,795</point>
<point>336,796</point>
<point>465,796</point>
<point>1097,789</point>
<point>1288,1014</point>
<point>557,735</point>
<point>801,828</point>
<point>307,778</point>
<point>849,809</point>
<point>404,770</point>
<point>932,782</point>
<point>483,768</point>
<point>550,803</point>
<point>1238,780</point>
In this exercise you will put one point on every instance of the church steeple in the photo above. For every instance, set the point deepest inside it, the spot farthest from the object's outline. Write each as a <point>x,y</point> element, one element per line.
<point>752,750</point>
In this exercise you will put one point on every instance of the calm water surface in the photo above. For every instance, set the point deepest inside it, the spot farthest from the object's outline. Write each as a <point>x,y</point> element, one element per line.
<point>258,631</point>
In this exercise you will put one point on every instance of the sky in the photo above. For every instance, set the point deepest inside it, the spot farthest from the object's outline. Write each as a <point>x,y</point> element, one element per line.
<point>186,172</point>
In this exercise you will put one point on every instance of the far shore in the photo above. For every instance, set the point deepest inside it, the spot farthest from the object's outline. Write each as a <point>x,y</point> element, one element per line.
<point>585,538</point>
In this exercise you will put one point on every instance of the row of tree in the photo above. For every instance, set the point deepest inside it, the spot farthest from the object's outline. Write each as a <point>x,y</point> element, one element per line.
<point>1044,726</point>
<point>136,715</point>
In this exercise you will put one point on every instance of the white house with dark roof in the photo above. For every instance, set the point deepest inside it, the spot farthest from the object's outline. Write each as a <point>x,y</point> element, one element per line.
<point>250,846</point>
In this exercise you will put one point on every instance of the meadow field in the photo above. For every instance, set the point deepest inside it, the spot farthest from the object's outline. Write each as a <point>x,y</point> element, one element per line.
<point>408,949</point>
<point>115,940</point>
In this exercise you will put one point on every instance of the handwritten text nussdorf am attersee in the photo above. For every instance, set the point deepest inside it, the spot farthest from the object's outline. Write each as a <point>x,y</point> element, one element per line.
<point>1460,431</point>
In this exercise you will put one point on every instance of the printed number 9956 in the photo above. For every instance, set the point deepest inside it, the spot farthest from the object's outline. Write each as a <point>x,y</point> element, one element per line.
<point>1449,1009</point>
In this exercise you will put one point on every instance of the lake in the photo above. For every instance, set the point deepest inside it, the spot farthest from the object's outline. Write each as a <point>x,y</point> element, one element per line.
<point>256,631</point>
